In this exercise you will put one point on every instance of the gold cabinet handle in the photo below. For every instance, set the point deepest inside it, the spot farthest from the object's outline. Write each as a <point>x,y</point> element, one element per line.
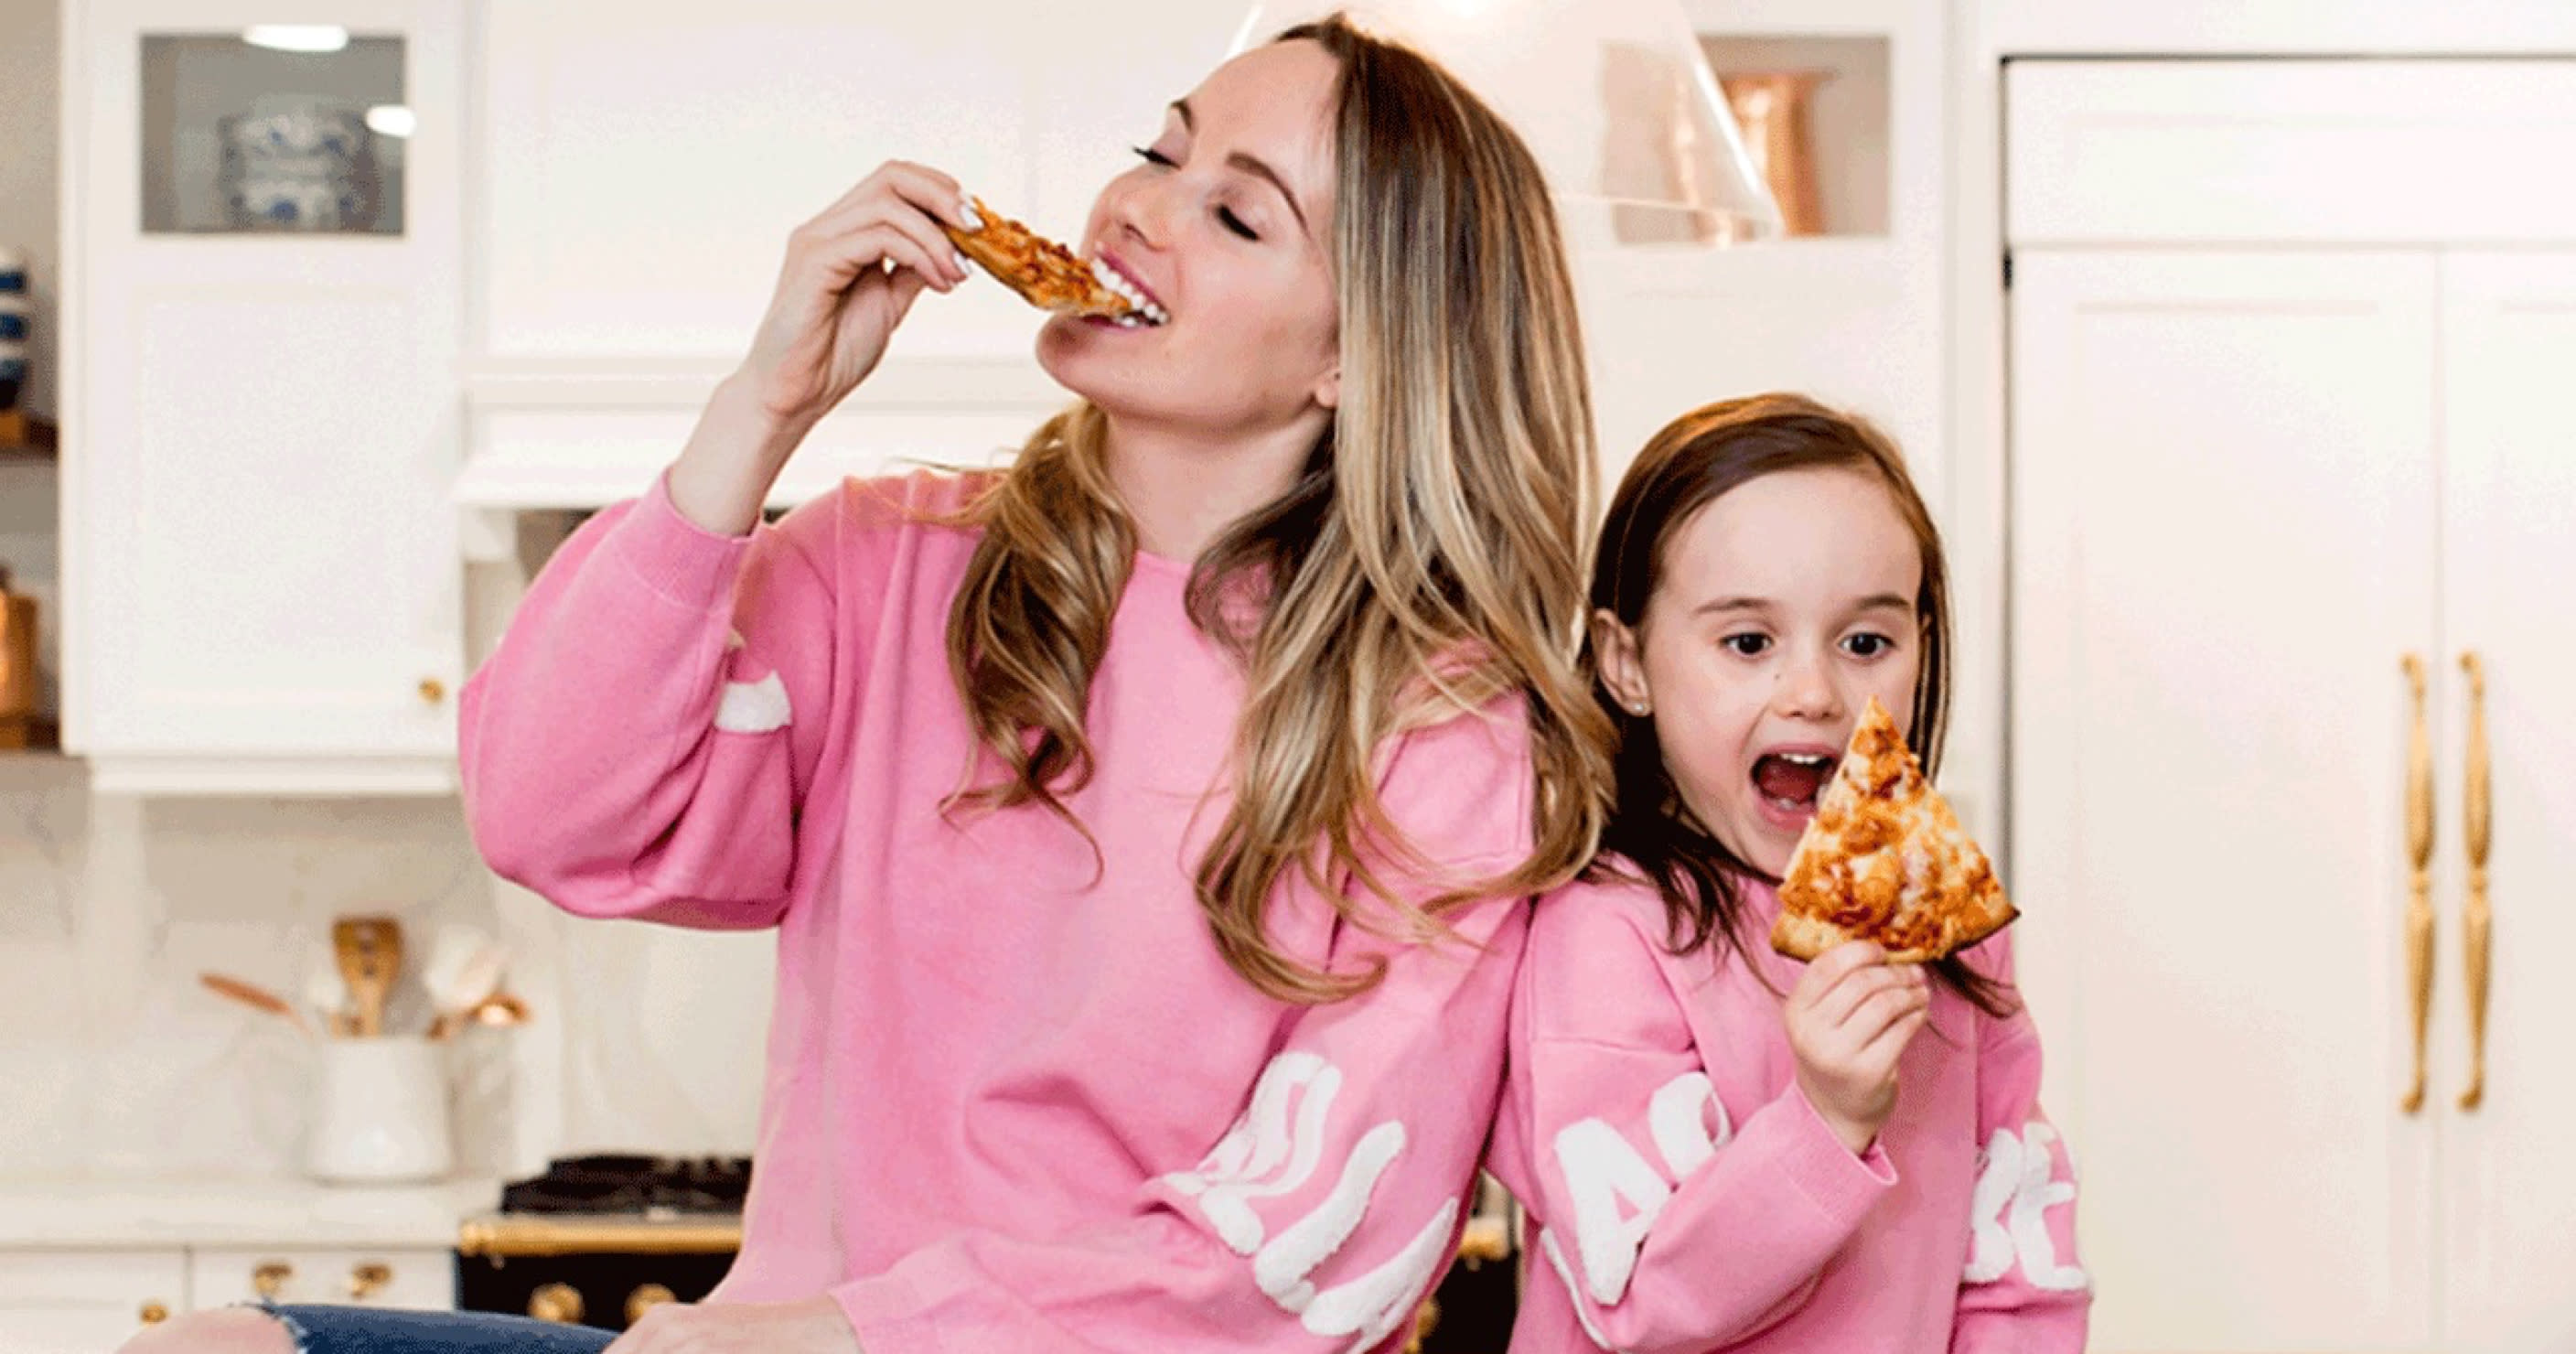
<point>2477,921</point>
<point>2419,856</point>
<point>368,1278</point>
<point>153,1313</point>
<point>559,1303</point>
<point>432,690</point>
<point>270,1279</point>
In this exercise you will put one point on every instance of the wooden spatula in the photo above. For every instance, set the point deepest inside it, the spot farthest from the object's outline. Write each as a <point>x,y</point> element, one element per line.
<point>370,953</point>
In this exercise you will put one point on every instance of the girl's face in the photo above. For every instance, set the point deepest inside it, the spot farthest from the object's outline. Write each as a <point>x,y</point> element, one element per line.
<point>1226,222</point>
<point>1784,605</point>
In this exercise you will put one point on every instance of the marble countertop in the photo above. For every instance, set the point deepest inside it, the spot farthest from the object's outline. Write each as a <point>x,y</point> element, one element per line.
<point>68,1214</point>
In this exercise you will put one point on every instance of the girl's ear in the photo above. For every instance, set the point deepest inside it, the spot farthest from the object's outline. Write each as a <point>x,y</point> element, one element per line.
<point>1623,666</point>
<point>1328,391</point>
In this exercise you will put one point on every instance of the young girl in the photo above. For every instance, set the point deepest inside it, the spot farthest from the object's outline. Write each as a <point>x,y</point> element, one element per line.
<point>1150,827</point>
<point>1721,1148</point>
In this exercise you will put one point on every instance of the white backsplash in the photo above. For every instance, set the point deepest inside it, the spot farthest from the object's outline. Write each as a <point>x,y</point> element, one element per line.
<point>114,1060</point>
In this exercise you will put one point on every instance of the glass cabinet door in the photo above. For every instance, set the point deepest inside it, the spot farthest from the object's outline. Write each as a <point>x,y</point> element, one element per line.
<point>273,128</point>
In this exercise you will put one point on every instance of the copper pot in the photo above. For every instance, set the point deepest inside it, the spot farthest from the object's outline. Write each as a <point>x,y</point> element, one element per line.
<point>20,686</point>
<point>1771,108</point>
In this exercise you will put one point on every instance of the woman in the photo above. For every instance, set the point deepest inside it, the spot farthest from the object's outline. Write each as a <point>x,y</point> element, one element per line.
<point>1149,825</point>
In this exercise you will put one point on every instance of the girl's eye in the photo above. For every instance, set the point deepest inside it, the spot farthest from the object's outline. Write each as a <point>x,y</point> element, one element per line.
<point>1225,217</point>
<point>1152,156</point>
<point>1745,645</point>
<point>1868,645</point>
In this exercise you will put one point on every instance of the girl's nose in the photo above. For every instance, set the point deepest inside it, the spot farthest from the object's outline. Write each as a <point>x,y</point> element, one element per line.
<point>1807,691</point>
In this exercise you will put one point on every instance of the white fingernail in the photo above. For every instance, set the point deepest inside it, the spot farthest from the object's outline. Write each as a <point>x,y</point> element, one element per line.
<point>960,256</point>
<point>966,213</point>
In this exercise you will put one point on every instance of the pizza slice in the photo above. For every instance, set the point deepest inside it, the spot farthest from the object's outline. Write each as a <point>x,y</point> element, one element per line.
<point>1884,860</point>
<point>1048,275</point>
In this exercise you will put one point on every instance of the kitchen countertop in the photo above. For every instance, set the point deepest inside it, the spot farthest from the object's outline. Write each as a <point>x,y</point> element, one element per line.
<point>70,1214</point>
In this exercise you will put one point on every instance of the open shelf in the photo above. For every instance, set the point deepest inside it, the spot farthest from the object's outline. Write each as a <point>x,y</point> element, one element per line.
<point>1842,115</point>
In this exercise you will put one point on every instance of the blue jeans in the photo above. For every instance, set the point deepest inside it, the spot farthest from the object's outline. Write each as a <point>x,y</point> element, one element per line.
<point>379,1330</point>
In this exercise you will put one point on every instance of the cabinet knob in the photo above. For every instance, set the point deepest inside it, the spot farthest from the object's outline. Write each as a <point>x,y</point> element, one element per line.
<point>270,1279</point>
<point>559,1303</point>
<point>645,1298</point>
<point>432,690</point>
<point>368,1278</point>
<point>153,1313</point>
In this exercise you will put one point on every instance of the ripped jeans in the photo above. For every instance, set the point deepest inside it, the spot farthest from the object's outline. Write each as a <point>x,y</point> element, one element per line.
<point>377,1330</point>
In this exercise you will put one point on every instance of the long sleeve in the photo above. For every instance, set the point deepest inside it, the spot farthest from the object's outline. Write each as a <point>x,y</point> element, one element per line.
<point>1321,1216</point>
<point>638,743</point>
<point>1670,1227</point>
<point>2023,1291</point>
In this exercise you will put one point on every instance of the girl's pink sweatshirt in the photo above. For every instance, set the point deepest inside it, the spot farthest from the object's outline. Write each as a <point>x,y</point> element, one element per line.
<point>1685,1196</point>
<point>1016,1100</point>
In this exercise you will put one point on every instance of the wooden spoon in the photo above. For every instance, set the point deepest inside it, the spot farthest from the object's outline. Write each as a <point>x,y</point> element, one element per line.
<point>256,997</point>
<point>370,951</point>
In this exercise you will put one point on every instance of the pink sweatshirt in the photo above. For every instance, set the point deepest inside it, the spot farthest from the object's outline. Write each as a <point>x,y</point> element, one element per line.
<point>1685,1196</point>
<point>1016,1101</point>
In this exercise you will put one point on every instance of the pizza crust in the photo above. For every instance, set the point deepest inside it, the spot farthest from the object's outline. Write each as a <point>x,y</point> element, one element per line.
<point>1045,274</point>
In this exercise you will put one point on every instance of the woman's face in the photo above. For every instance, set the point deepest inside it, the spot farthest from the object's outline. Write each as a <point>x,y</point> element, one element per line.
<point>1226,223</point>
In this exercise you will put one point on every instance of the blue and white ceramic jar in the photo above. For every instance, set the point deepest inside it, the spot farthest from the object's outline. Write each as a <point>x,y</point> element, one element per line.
<point>15,321</point>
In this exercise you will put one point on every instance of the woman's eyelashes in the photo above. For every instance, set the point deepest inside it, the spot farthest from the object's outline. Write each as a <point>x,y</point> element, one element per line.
<point>1225,216</point>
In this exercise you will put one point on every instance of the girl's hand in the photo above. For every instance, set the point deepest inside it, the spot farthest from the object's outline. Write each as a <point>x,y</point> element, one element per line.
<point>1850,1017</point>
<point>850,276</point>
<point>814,1326</point>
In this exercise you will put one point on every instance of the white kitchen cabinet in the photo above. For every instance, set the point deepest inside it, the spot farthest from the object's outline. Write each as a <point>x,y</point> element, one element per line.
<point>2508,494</point>
<point>86,1302</point>
<point>2257,466</point>
<point>261,425</point>
<point>397,1277</point>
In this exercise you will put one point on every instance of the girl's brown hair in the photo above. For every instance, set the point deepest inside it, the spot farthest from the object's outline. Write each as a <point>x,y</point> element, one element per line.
<point>1427,560</point>
<point>1690,463</point>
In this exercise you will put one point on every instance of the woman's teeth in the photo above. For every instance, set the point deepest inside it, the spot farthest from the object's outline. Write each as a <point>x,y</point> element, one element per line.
<point>1145,312</point>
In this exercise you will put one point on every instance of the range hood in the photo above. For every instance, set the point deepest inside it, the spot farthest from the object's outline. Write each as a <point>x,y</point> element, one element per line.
<point>560,436</point>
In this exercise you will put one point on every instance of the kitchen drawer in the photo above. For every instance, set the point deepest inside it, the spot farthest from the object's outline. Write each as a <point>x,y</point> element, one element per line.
<point>384,1277</point>
<point>80,1302</point>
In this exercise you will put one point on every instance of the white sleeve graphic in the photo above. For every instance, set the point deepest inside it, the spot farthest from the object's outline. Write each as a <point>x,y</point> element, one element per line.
<point>2008,1212</point>
<point>1273,1150</point>
<point>1616,1194</point>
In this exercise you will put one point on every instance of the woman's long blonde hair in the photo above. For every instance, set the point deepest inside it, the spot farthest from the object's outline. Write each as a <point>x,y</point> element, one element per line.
<point>1428,559</point>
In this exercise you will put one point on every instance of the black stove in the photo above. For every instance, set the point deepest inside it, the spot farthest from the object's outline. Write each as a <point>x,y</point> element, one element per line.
<point>599,1240</point>
<point>644,1186</point>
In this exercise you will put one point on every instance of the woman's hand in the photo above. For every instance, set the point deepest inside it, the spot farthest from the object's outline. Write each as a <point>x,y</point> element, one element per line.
<point>1850,1017</point>
<point>814,1326</point>
<point>849,277</point>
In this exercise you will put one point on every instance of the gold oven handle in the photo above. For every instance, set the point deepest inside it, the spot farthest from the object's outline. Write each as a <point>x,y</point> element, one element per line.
<point>2419,894</point>
<point>2477,920</point>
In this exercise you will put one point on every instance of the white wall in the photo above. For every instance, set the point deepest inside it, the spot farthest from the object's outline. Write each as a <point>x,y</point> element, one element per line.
<point>30,152</point>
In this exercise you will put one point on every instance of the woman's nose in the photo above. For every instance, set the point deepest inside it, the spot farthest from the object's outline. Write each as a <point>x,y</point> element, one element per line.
<point>1141,209</point>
